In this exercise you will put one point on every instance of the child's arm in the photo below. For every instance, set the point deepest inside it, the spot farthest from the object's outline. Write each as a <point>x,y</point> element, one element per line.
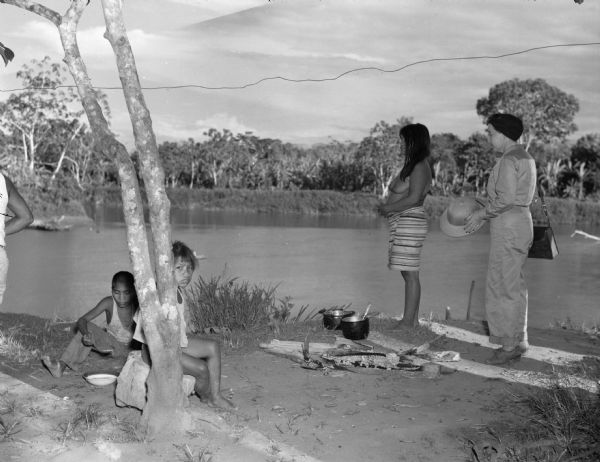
<point>105,305</point>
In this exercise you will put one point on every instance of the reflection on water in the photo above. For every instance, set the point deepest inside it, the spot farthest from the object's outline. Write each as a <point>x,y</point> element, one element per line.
<point>320,261</point>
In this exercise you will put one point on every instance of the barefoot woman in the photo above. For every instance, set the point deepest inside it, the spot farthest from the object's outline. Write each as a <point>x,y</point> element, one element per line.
<point>407,219</point>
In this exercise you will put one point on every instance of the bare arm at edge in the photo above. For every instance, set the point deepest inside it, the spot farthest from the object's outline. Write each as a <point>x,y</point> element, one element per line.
<point>22,214</point>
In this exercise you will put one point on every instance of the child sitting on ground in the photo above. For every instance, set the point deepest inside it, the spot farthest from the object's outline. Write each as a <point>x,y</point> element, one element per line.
<point>114,340</point>
<point>200,357</point>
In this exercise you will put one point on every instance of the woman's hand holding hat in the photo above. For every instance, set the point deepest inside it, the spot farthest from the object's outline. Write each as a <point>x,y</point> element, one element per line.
<point>474,221</point>
<point>453,221</point>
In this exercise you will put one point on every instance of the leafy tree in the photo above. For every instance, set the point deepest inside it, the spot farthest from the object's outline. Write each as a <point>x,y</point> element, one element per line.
<point>381,152</point>
<point>164,412</point>
<point>171,159</point>
<point>29,113</point>
<point>549,152</point>
<point>476,158</point>
<point>547,112</point>
<point>549,174</point>
<point>586,152</point>
<point>217,154</point>
<point>443,149</point>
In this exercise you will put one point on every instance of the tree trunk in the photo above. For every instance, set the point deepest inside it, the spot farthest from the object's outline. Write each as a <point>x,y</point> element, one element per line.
<point>24,141</point>
<point>192,172</point>
<point>31,143</point>
<point>64,152</point>
<point>164,411</point>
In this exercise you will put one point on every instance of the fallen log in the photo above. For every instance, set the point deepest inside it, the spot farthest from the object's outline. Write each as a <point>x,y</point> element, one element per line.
<point>549,355</point>
<point>52,224</point>
<point>494,372</point>
<point>586,235</point>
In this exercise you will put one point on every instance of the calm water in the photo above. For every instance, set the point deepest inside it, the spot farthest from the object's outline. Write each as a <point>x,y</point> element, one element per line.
<point>320,261</point>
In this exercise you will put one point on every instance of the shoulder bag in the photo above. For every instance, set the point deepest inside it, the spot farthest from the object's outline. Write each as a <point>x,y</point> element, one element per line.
<point>544,243</point>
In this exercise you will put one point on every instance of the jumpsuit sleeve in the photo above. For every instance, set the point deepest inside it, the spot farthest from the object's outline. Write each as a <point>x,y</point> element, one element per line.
<point>505,188</point>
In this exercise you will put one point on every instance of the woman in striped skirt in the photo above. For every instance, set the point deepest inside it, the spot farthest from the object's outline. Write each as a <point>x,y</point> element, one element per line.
<point>407,219</point>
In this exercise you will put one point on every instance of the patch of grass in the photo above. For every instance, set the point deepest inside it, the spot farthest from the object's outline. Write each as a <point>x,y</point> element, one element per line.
<point>66,431</point>
<point>83,420</point>
<point>203,455</point>
<point>592,329</point>
<point>8,406</point>
<point>223,301</point>
<point>120,430</point>
<point>558,424</point>
<point>570,418</point>
<point>33,411</point>
<point>14,350</point>
<point>246,314</point>
<point>8,429</point>
<point>90,417</point>
<point>33,335</point>
<point>228,302</point>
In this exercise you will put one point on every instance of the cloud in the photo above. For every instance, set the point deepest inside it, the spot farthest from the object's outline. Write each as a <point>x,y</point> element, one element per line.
<point>217,8</point>
<point>166,129</point>
<point>237,42</point>
<point>147,45</point>
<point>43,33</point>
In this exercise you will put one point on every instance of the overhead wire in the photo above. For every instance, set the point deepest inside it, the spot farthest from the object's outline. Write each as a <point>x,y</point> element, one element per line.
<point>318,80</point>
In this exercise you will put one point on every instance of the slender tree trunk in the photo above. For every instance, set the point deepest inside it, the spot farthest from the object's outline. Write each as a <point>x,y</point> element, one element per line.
<point>164,413</point>
<point>192,172</point>
<point>64,152</point>
<point>31,146</point>
<point>24,142</point>
<point>164,410</point>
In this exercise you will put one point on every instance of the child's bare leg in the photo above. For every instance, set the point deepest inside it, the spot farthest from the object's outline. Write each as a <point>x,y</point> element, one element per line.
<point>210,351</point>
<point>74,354</point>
<point>197,368</point>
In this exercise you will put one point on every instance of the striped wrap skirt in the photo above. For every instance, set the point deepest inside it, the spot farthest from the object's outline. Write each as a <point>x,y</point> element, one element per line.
<point>408,230</point>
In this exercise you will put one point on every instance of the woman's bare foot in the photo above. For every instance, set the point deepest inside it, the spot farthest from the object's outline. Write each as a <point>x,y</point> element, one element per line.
<point>221,402</point>
<point>407,323</point>
<point>56,368</point>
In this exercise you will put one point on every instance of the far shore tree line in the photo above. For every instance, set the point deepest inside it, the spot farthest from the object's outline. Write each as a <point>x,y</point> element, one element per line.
<point>45,143</point>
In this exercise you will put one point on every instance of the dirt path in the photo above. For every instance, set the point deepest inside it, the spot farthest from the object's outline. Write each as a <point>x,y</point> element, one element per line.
<point>285,412</point>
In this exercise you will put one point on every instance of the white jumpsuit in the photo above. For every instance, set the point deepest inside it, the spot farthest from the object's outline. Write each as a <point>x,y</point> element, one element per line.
<point>510,190</point>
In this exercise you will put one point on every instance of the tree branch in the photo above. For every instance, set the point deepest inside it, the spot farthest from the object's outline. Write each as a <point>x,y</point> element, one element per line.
<point>36,8</point>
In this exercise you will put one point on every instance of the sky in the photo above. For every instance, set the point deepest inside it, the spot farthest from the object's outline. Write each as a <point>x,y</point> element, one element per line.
<point>235,43</point>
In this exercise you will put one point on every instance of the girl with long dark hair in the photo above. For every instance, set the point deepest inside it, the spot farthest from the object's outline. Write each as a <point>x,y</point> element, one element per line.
<point>406,215</point>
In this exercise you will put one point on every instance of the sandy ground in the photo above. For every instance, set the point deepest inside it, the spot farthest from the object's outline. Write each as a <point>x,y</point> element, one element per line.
<point>285,412</point>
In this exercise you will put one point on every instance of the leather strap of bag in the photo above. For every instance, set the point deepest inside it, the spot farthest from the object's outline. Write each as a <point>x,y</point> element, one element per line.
<point>544,208</point>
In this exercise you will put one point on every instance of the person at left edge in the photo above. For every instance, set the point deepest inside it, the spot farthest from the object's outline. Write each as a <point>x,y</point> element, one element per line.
<point>10,200</point>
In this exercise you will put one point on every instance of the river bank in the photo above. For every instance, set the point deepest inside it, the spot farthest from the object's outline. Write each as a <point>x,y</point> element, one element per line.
<point>307,202</point>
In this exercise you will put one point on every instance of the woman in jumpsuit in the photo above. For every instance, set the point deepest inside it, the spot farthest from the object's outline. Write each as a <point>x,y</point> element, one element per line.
<point>510,190</point>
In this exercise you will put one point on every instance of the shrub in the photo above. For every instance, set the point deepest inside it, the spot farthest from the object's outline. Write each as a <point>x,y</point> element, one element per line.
<point>223,301</point>
<point>565,421</point>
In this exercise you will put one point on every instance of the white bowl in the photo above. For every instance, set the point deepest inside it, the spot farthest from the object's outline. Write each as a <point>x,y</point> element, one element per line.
<point>100,380</point>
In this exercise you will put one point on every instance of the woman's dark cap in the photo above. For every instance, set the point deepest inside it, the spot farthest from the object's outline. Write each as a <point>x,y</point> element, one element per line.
<point>507,124</point>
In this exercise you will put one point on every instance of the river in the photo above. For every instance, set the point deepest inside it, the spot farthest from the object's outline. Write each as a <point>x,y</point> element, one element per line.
<point>320,261</point>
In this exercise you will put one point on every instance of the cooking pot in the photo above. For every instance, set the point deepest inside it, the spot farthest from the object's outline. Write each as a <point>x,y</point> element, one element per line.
<point>333,317</point>
<point>355,327</point>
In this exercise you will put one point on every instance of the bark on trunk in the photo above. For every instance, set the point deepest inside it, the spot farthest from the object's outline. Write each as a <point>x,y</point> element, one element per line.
<point>164,411</point>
